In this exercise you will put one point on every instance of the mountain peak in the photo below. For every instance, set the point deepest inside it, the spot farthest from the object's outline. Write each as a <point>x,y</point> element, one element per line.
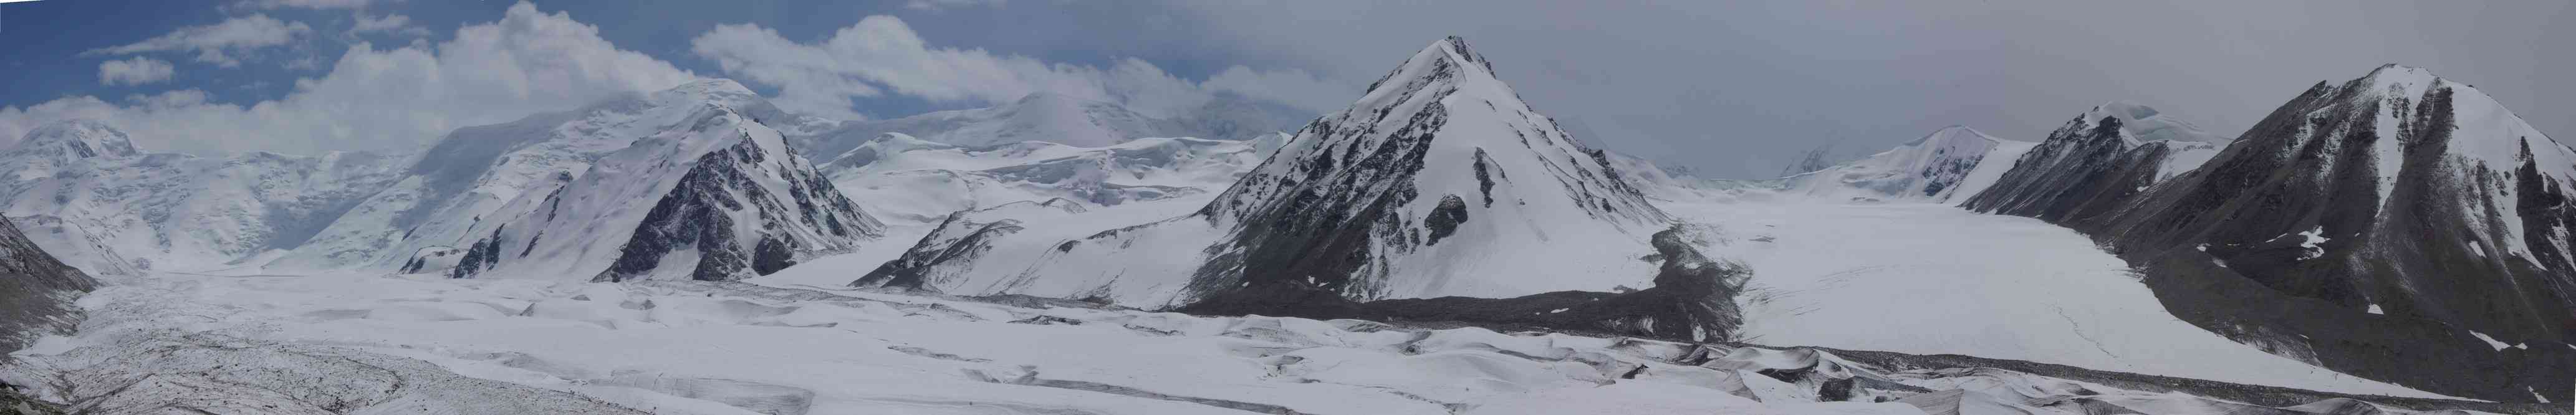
<point>79,138</point>
<point>1458,45</point>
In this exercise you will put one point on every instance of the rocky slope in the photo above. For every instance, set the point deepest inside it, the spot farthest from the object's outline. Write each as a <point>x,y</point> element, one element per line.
<point>36,292</point>
<point>93,197</point>
<point>729,199</point>
<point>2097,159</point>
<point>2400,226</point>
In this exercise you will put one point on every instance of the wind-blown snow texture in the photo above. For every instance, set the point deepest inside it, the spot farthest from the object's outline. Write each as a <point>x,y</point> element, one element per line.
<point>731,201</point>
<point>1348,210</point>
<point>2399,192</point>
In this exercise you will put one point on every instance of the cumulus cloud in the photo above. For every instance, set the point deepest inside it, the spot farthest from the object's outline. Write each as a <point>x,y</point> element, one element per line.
<point>936,5</point>
<point>388,99</point>
<point>881,54</point>
<point>391,23</point>
<point>218,43</point>
<point>136,71</point>
<point>304,4</point>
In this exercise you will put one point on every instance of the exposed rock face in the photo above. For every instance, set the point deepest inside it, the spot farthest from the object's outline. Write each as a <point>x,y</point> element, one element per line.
<point>2111,152</point>
<point>36,291</point>
<point>2384,227</point>
<point>1438,182</point>
<point>731,201</point>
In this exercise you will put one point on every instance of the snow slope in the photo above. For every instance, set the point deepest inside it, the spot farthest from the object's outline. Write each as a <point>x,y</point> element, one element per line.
<point>730,200</point>
<point>1950,163</point>
<point>101,201</point>
<point>1437,182</point>
<point>1898,277</point>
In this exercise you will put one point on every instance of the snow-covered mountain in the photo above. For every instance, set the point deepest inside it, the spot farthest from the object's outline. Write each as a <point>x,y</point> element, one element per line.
<point>2400,227</point>
<point>1951,163</point>
<point>1438,182</point>
<point>730,200</point>
<point>2110,152</point>
<point>452,187</point>
<point>36,291</point>
<point>1062,119</point>
<point>110,208</point>
<point>904,178</point>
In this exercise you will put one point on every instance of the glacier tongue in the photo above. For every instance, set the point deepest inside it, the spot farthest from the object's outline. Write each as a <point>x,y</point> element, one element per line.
<point>732,201</point>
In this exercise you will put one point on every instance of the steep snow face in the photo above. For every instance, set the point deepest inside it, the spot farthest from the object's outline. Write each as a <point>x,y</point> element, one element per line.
<point>1950,162</point>
<point>906,179</point>
<point>1438,182</point>
<point>453,186</point>
<point>36,291</point>
<point>101,202</point>
<point>731,201</point>
<point>2401,191</point>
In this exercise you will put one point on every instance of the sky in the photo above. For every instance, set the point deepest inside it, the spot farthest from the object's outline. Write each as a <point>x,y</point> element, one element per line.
<point>1729,89</point>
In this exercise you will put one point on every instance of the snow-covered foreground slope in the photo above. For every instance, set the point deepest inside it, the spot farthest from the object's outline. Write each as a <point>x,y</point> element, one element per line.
<point>1931,279</point>
<point>363,344</point>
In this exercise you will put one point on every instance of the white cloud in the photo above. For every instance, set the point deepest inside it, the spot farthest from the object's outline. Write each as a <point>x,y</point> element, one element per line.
<point>136,71</point>
<point>218,43</point>
<point>391,23</point>
<point>391,99</point>
<point>881,54</point>
<point>304,4</point>
<point>936,5</point>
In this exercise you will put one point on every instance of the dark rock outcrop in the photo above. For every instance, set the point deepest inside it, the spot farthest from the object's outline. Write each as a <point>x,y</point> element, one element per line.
<point>36,291</point>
